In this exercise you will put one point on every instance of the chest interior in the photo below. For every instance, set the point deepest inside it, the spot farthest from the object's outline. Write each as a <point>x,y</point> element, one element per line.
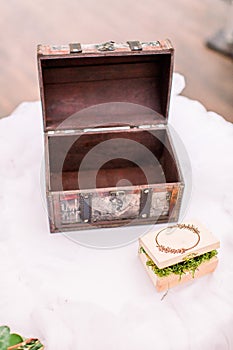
<point>112,159</point>
<point>72,84</point>
<point>126,90</point>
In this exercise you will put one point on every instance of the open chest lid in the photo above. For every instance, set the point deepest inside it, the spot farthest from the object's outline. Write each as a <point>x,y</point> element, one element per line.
<point>89,86</point>
<point>176,243</point>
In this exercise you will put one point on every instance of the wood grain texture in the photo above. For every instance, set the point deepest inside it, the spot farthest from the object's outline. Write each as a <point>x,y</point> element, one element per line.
<point>165,283</point>
<point>178,238</point>
<point>74,83</point>
<point>67,154</point>
<point>24,24</point>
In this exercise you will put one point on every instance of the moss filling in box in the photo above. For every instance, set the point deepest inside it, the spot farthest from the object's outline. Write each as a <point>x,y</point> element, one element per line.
<point>188,265</point>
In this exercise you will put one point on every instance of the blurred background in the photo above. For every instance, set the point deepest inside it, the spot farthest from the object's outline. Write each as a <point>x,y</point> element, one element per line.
<point>188,23</point>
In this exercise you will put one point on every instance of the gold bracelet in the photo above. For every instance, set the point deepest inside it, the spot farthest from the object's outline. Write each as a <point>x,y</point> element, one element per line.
<point>164,249</point>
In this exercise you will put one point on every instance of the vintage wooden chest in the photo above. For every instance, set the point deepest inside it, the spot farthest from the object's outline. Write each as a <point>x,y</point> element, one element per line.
<point>109,157</point>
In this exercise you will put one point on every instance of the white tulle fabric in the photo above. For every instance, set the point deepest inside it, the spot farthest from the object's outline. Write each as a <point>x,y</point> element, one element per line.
<point>72,297</point>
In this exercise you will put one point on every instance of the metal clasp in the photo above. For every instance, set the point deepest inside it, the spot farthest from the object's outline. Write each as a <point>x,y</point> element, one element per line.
<point>108,46</point>
<point>117,193</point>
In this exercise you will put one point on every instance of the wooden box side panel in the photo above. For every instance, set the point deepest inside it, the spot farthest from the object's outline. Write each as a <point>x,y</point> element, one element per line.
<point>51,213</point>
<point>76,210</point>
<point>165,283</point>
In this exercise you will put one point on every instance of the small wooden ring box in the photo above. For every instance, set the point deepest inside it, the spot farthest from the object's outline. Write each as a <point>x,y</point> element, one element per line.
<point>157,262</point>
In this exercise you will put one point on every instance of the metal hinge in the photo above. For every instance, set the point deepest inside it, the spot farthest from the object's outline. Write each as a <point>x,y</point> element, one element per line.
<point>107,128</point>
<point>135,45</point>
<point>150,126</point>
<point>75,48</point>
<point>67,131</point>
<point>73,131</point>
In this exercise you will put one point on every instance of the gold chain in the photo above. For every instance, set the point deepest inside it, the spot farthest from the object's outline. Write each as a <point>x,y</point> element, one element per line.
<point>164,249</point>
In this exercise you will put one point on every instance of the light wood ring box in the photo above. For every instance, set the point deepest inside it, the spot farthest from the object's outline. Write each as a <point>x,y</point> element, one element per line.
<point>177,238</point>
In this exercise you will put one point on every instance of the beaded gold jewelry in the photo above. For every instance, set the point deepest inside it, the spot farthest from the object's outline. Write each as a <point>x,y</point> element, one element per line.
<point>164,249</point>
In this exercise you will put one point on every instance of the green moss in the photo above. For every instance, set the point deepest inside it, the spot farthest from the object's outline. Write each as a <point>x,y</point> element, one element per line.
<point>189,265</point>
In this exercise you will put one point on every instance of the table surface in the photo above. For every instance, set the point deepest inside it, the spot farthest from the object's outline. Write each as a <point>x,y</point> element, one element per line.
<point>73,297</point>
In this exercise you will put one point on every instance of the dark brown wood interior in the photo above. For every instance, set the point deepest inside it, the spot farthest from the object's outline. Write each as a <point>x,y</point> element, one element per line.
<point>122,159</point>
<point>75,83</point>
